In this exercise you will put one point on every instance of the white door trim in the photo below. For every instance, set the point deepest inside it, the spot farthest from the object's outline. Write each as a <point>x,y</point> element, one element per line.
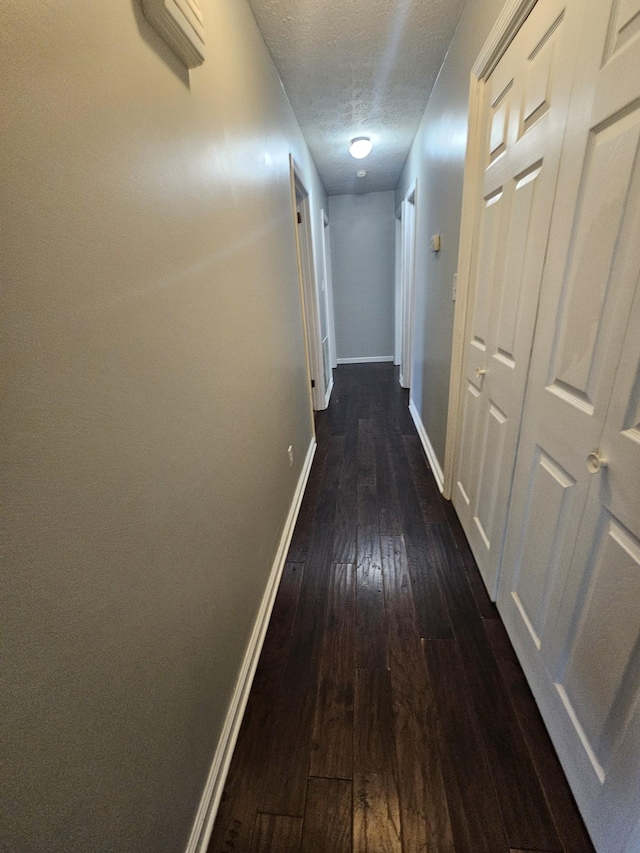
<point>504,30</point>
<point>328,277</point>
<point>308,287</point>
<point>397,339</point>
<point>408,282</point>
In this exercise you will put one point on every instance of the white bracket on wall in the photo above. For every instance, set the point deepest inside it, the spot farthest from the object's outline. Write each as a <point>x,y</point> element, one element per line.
<point>179,23</point>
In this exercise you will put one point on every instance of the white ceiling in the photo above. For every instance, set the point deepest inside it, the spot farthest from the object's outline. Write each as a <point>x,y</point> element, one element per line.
<point>358,68</point>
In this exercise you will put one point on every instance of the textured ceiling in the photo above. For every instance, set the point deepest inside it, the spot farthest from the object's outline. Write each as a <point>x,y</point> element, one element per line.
<point>358,68</point>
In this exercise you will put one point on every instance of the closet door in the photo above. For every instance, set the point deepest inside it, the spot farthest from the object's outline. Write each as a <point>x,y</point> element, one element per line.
<point>524,115</point>
<point>570,585</point>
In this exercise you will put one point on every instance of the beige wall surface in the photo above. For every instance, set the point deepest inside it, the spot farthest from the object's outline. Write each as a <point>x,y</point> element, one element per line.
<point>436,159</point>
<point>153,378</point>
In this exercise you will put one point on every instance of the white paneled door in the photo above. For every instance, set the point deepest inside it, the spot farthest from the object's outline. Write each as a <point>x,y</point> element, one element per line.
<point>569,589</point>
<point>526,101</point>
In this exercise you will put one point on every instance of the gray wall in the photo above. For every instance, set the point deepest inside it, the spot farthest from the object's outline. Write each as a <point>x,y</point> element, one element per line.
<point>436,159</point>
<point>362,257</point>
<point>153,377</point>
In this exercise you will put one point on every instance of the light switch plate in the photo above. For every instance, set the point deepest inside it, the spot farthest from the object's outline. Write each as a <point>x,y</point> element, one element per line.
<point>435,243</point>
<point>179,23</point>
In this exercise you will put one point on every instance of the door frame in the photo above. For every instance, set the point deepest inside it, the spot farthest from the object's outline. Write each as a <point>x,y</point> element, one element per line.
<point>328,297</point>
<point>407,282</point>
<point>512,17</point>
<point>308,287</point>
<point>397,319</point>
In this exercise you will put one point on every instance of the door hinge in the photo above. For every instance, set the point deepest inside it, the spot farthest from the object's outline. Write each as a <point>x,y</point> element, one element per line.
<point>299,218</point>
<point>313,383</point>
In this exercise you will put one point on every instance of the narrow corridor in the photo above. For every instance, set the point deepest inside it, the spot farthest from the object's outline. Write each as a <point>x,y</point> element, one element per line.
<point>388,712</point>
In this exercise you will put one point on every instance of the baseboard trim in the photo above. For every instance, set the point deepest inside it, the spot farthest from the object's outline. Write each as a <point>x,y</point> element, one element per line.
<point>365,359</point>
<point>328,394</point>
<point>428,447</point>
<point>206,814</point>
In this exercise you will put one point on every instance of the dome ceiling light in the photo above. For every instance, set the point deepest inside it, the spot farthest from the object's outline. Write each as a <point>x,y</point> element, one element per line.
<point>360,147</point>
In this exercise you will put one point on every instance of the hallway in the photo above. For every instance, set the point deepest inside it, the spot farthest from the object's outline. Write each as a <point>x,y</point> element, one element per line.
<point>388,712</point>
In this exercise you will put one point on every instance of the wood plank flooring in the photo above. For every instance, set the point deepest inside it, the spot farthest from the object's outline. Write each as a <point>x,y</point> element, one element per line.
<point>389,713</point>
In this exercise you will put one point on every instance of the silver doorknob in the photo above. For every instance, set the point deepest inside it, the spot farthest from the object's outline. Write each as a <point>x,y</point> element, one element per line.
<point>480,371</point>
<point>595,462</point>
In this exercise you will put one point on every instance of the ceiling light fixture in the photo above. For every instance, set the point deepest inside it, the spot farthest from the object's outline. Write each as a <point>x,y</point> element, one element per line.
<point>361,173</point>
<point>360,147</point>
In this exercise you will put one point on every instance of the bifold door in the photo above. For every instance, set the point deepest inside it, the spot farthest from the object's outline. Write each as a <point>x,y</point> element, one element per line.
<point>526,100</point>
<point>569,589</point>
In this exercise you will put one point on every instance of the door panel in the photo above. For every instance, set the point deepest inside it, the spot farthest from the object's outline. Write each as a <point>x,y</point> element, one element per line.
<point>487,259</point>
<point>492,450</point>
<point>570,586</point>
<point>513,282</point>
<point>540,543</point>
<point>538,87</point>
<point>602,644</point>
<point>626,25</point>
<point>611,157</point>
<point>470,419</point>
<point>526,103</point>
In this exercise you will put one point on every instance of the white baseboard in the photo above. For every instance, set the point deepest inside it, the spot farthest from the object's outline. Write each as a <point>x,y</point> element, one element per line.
<point>428,447</point>
<point>365,359</point>
<point>328,394</point>
<point>206,814</point>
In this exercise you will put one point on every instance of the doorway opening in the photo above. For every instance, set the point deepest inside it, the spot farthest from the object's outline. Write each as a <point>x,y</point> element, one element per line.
<point>314,309</point>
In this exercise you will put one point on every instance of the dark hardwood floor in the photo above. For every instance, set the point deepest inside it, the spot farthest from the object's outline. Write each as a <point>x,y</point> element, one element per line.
<point>388,712</point>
